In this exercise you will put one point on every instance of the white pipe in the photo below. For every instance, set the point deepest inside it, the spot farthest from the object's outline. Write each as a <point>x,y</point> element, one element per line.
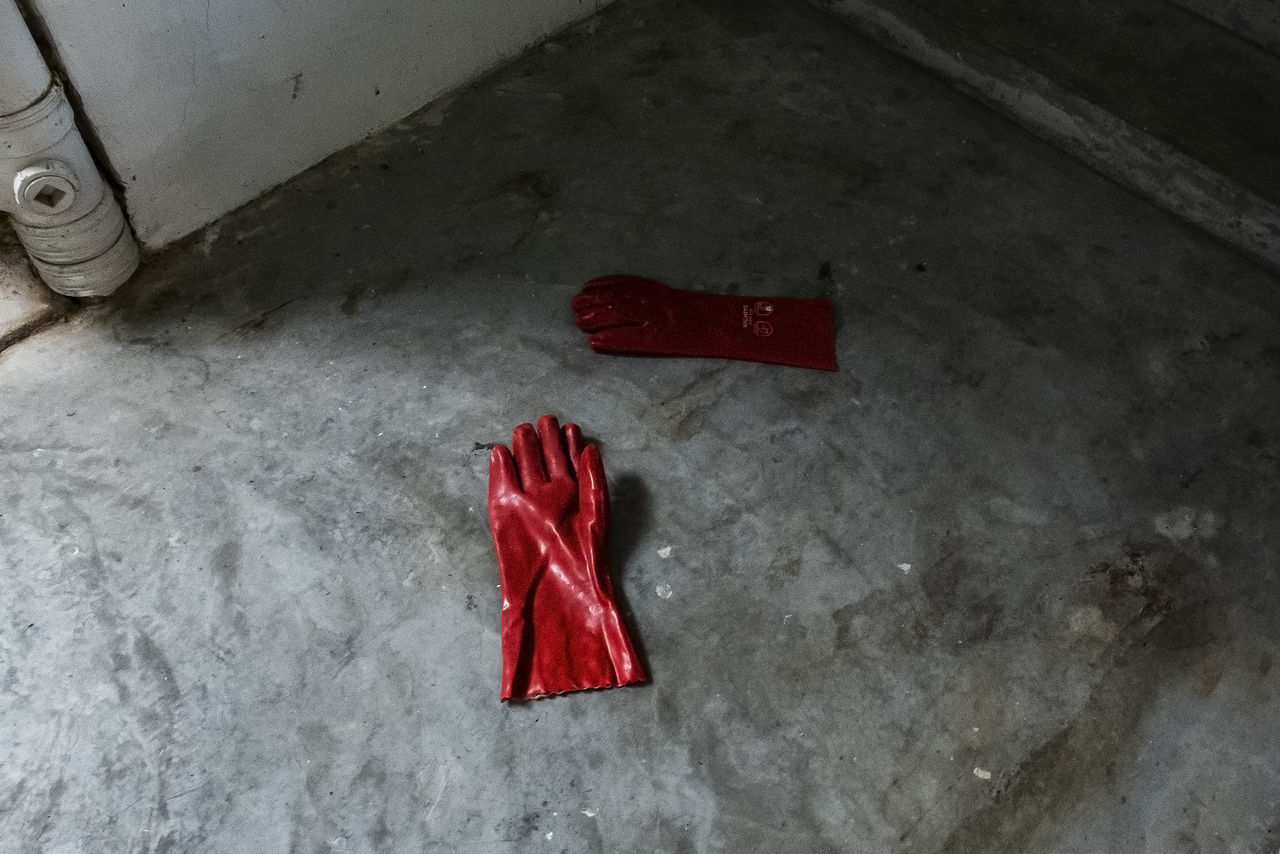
<point>23,75</point>
<point>69,222</point>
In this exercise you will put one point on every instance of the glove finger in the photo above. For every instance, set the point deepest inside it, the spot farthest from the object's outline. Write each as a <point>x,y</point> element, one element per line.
<point>553,450</point>
<point>593,491</point>
<point>586,300</point>
<point>593,320</point>
<point>622,299</point>
<point>621,339</point>
<point>502,473</point>
<point>573,436</point>
<point>524,441</point>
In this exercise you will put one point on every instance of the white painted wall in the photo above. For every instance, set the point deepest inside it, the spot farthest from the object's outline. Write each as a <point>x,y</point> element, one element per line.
<point>201,105</point>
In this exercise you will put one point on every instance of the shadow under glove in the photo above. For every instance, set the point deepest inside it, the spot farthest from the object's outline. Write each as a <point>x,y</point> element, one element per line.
<point>631,314</point>
<point>548,509</point>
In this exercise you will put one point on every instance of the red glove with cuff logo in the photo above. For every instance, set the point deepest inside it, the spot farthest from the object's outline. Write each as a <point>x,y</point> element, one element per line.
<point>548,509</point>
<point>635,315</point>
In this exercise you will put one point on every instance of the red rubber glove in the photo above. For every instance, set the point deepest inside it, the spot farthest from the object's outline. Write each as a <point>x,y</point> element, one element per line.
<point>548,508</point>
<point>630,314</point>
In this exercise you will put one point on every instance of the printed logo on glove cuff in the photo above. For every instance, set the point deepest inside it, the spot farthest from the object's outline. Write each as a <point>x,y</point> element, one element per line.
<point>751,318</point>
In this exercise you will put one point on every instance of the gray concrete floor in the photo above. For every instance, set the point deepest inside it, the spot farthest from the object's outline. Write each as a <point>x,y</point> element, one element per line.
<point>26,305</point>
<point>1006,582</point>
<point>1187,81</point>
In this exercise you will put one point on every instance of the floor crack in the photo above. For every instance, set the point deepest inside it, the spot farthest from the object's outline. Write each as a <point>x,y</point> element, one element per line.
<point>51,315</point>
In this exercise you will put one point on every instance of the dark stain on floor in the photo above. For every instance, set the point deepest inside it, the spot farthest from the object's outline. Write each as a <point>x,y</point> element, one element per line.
<point>1161,642</point>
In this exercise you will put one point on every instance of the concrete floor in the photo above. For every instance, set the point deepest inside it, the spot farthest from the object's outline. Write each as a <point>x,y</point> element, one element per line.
<point>1189,82</point>
<point>26,304</point>
<point>1006,582</point>
<point>1150,93</point>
